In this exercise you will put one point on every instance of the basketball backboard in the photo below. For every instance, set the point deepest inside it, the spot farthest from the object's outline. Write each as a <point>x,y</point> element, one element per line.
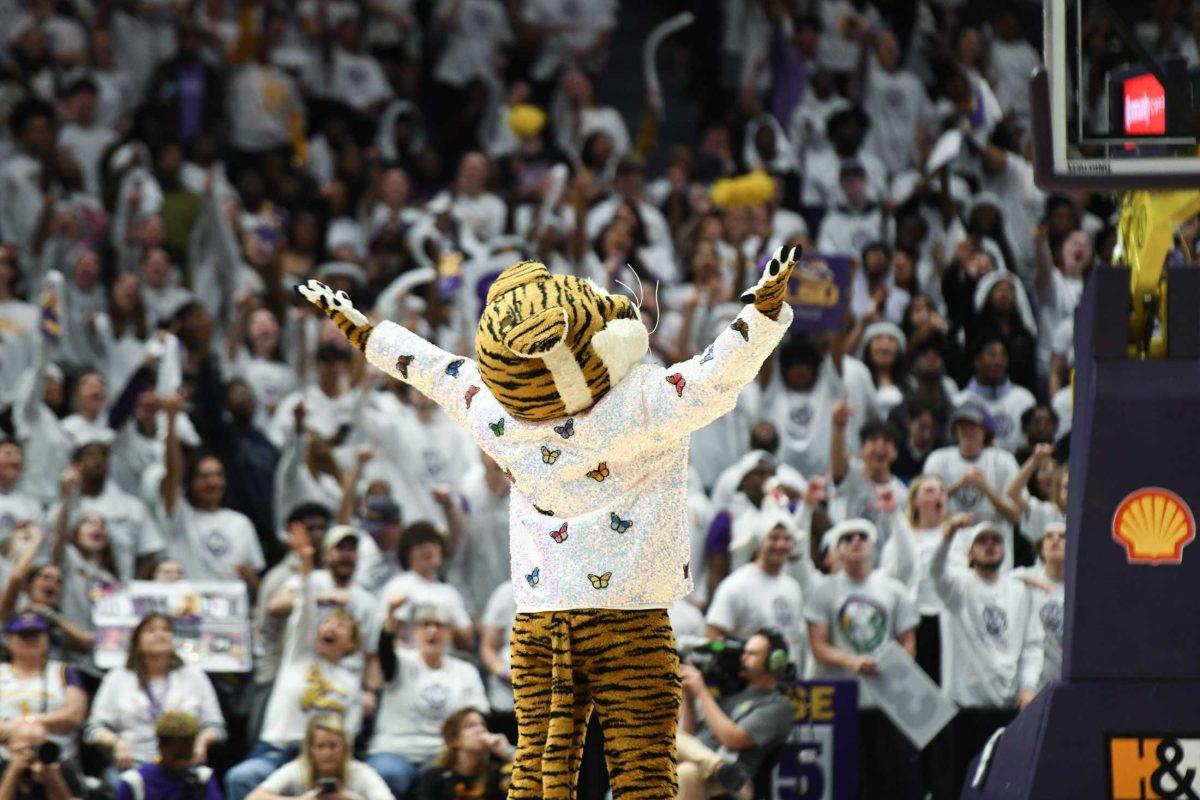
<point>1118,105</point>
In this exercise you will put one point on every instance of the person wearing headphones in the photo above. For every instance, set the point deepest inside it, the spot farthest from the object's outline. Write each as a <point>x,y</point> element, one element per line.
<point>722,752</point>
<point>851,616</point>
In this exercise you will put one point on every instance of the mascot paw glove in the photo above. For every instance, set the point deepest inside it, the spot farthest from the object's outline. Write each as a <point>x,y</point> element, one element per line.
<point>337,307</point>
<point>772,288</point>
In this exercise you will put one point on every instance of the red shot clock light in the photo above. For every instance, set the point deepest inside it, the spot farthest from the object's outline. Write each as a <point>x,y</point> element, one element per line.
<point>1145,106</point>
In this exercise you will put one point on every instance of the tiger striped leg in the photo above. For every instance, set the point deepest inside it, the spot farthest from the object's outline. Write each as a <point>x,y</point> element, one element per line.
<point>632,669</point>
<point>552,708</point>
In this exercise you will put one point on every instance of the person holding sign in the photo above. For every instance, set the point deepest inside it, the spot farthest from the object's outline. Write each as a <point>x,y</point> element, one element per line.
<point>851,616</point>
<point>131,700</point>
<point>992,649</point>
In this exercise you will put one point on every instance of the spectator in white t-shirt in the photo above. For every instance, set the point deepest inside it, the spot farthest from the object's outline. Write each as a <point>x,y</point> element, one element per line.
<point>480,559</point>
<point>1039,492</point>
<point>423,685</point>
<point>761,594</point>
<point>130,700</point>
<point>335,588</point>
<point>216,543</point>
<point>495,633</point>
<point>975,474</point>
<point>897,104</point>
<point>422,553</point>
<point>1004,400</point>
<point>800,399</point>
<point>314,676</point>
<point>992,651</point>
<point>16,506</point>
<point>327,756</point>
<point>851,617</point>
<point>859,483</point>
<point>132,535</point>
<point>925,512</point>
<point>1049,595</point>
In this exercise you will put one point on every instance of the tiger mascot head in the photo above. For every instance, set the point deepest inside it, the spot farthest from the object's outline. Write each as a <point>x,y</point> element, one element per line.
<point>552,345</point>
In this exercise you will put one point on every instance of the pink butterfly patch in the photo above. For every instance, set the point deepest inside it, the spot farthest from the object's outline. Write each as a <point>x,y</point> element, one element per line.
<point>677,380</point>
<point>471,392</point>
<point>559,535</point>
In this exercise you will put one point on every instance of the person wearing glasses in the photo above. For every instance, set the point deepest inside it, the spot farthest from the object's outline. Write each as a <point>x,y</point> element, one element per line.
<point>851,616</point>
<point>423,686</point>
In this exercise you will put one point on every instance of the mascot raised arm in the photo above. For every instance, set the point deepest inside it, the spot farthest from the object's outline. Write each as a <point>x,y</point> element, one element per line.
<point>595,444</point>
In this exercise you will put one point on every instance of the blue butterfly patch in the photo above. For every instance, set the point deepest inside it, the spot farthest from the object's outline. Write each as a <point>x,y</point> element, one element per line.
<point>452,367</point>
<point>617,524</point>
<point>567,429</point>
<point>534,577</point>
<point>708,355</point>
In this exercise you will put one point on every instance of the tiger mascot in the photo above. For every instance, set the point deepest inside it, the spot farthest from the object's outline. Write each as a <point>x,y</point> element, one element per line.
<point>596,447</point>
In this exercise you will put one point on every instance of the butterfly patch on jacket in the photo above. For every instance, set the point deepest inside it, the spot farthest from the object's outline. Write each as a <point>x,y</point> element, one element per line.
<point>497,426</point>
<point>452,367</point>
<point>402,363</point>
<point>567,429</point>
<point>741,327</point>
<point>599,473</point>
<point>600,581</point>
<point>550,456</point>
<point>617,524</point>
<point>677,380</point>
<point>560,535</point>
<point>534,577</point>
<point>708,355</point>
<point>470,394</point>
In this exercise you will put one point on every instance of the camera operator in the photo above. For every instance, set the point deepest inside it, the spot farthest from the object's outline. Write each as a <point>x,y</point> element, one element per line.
<point>723,751</point>
<point>172,775</point>
<point>32,771</point>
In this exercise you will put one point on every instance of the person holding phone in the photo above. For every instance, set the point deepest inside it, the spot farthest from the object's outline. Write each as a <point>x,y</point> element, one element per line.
<point>326,768</point>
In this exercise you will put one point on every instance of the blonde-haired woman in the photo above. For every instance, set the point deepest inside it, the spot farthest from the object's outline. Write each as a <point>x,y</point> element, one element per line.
<point>925,513</point>
<point>326,768</point>
<point>473,762</point>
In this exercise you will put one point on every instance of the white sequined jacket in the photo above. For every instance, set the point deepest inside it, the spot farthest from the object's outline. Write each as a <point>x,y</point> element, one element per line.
<point>598,514</point>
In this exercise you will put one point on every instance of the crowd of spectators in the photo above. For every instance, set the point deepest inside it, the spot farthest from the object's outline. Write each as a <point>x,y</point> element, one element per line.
<point>170,410</point>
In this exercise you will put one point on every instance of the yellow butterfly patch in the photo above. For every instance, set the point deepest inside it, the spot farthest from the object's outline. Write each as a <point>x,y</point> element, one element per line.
<point>550,456</point>
<point>599,473</point>
<point>600,581</point>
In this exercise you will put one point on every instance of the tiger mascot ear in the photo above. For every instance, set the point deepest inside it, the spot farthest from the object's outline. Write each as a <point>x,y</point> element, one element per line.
<point>537,335</point>
<point>517,276</point>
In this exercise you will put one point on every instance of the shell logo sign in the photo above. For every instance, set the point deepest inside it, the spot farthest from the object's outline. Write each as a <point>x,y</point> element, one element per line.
<point>1153,525</point>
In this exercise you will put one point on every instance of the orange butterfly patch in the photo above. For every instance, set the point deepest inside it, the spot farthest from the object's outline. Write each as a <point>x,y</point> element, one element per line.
<point>599,473</point>
<point>741,327</point>
<point>677,380</point>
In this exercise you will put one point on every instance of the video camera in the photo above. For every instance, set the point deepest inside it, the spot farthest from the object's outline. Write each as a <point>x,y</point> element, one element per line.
<point>719,661</point>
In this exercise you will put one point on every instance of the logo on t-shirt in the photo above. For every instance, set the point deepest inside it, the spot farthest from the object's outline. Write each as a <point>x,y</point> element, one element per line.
<point>968,496</point>
<point>1004,424</point>
<point>864,623</point>
<point>1051,616</point>
<point>995,620</point>
<point>802,415</point>
<point>435,700</point>
<point>782,610</point>
<point>216,543</point>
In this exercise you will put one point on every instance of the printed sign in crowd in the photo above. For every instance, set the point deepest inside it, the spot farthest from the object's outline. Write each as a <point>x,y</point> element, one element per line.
<point>211,619</point>
<point>820,759</point>
<point>818,292</point>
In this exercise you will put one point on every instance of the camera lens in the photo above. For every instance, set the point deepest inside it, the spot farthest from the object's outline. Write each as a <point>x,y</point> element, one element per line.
<point>48,752</point>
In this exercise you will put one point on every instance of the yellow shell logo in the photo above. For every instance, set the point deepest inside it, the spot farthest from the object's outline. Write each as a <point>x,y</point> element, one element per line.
<point>1154,525</point>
